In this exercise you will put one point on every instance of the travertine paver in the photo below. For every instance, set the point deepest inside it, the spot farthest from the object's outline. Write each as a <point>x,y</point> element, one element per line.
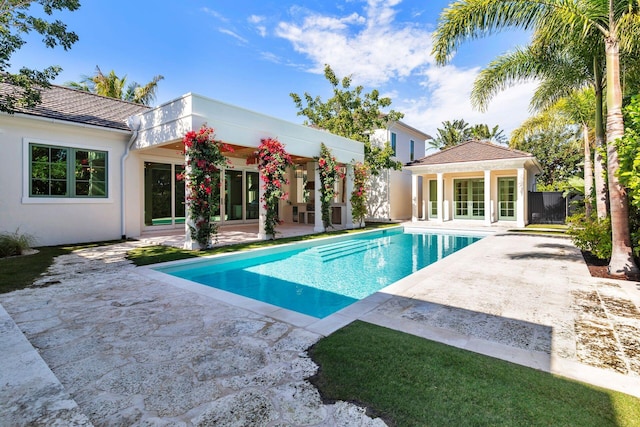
<point>133,351</point>
<point>130,350</point>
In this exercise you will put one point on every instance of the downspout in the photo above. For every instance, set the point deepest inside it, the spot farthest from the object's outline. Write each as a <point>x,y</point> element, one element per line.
<point>133,122</point>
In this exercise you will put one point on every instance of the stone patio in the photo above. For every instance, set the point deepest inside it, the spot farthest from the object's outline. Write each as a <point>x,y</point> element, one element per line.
<point>116,345</point>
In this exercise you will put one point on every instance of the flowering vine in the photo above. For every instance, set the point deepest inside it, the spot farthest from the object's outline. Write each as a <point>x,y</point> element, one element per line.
<point>273,161</point>
<point>204,159</point>
<point>359,193</point>
<point>329,174</point>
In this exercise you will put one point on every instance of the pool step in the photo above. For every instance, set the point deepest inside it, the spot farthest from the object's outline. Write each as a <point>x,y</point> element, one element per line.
<point>331,251</point>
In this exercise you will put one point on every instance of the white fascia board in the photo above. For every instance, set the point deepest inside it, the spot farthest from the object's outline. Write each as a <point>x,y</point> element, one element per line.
<point>166,123</point>
<point>503,164</point>
<point>246,128</point>
<point>234,125</point>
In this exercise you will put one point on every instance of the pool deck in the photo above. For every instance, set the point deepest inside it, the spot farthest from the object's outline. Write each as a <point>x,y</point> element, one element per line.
<point>98,341</point>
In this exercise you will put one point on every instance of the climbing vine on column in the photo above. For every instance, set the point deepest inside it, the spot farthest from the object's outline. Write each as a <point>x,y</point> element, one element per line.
<point>204,158</point>
<point>273,161</point>
<point>359,194</point>
<point>329,175</point>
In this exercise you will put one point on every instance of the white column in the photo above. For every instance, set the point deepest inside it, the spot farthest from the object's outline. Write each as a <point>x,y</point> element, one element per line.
<point>425,198</point>
<point>414,197</point>
<point>440,196</point>
<point>318,227</point>
<point>348,190</point>
<point>189,221</point>
<point>520,195</point>
<point>262,212</point>
<point>488,204</point>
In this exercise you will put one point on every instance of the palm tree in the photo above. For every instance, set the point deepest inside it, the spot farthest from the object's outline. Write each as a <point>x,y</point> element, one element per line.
<point>483,132</point>
<point>112,86</point>
<point>451,133</point>
<point>564,113</point>
<point>616,21</point>
<point>563,67</point>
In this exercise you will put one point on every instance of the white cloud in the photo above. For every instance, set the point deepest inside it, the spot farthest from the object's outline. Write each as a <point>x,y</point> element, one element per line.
<point>257,21</point>
<point>372,47</point>
<point>234,35</point>
<point>448,98</point>
<point>215,14</point>
<point>378,50</point>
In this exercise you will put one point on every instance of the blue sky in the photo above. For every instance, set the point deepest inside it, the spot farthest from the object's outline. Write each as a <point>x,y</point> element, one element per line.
<point>253,54</point>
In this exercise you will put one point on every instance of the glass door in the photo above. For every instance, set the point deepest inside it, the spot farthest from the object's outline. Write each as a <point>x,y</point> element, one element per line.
<point>251,196</point>
<point>233,195</point>
<point>163,195</point>
<point>507,198</point>
<point>469,198</point>
<point>433,198</point>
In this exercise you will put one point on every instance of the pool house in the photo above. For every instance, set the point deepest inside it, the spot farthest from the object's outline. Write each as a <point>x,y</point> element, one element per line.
<point>475,182</point>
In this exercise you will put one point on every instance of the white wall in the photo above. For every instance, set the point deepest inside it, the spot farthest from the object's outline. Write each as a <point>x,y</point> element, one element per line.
<point>400,194</point>
<point>236,125</point>
<point>57,220</point>
<point>392,199</point>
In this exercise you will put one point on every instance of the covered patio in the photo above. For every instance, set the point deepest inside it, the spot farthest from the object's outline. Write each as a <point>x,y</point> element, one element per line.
<point>156,203</point>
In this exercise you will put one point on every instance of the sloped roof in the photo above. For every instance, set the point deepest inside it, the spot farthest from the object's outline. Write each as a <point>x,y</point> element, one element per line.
<point>78,106</point>
<point>471,151</point>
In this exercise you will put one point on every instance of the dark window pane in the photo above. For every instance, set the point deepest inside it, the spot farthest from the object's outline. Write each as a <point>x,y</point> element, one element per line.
<point>82,188</point>
<point>59,155</point>
<point>39,154</point>
<point>98,189</point>
<point>58,188</point>
<point>39,187</point>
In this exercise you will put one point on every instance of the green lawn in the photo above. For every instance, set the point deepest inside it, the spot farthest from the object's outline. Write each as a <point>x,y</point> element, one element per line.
<point>410,381</point>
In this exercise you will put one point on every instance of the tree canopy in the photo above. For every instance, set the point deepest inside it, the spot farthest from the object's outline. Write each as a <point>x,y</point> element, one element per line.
<point>112,86</point>
<point>15,23</point>
<point>352,114</point>
<point>458,131</point>
<point>614,23</point>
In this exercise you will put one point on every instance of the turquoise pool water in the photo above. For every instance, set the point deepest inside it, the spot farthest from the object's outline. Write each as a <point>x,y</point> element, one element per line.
<point>324,278</point>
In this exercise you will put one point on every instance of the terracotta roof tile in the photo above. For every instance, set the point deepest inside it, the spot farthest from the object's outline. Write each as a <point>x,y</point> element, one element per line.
<point>77,106</point>
<point>470,151</point>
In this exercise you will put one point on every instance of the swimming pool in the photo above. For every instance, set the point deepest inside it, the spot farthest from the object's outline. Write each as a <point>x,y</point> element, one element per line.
<point>322,277</point>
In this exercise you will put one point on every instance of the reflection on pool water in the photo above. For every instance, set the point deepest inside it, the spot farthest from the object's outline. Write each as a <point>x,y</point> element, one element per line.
<point>321,278</point>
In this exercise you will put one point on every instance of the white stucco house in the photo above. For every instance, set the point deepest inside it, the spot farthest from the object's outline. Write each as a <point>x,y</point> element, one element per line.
<point>390,197</point>
<point>80,167</point>
<point>475,181</point>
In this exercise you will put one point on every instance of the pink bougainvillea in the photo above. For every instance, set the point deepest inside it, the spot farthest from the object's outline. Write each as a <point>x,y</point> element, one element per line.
<point>359,193</point>
<point>204,159</point>
<point>329,173</point>
<point>273,161</point>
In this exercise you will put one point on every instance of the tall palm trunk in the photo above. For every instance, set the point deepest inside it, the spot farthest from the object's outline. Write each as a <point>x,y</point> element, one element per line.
<point>588,171</point>
<point>599,163</point>
<point>621,252</point>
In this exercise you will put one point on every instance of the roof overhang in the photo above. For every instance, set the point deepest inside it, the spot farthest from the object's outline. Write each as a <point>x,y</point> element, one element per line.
<point>167,124</point>
<point>530,163</point>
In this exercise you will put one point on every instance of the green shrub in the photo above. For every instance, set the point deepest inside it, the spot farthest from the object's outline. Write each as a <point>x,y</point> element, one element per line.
<point>15,243</point>
<point>591,235</point>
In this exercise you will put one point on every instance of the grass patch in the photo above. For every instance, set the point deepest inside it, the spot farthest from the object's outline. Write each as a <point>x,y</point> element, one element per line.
<point>156,254</point>
<point>21,271</point>
<point>410,381</point>
<point>548,226</point>
<point>543,229</point>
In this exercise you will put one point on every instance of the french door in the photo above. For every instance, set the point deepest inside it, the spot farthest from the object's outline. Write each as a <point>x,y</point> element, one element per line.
<point>163,195</point>
<point>469,198</point>
<point>507,198</point>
